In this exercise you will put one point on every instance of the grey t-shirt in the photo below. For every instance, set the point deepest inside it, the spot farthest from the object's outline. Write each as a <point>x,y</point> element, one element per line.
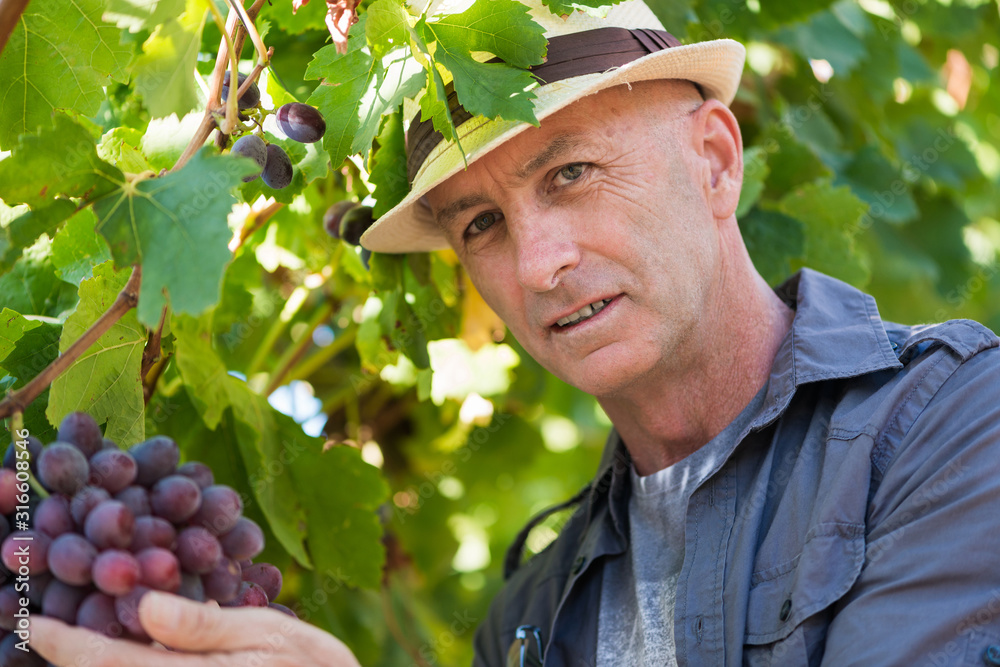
<point>636,618</point>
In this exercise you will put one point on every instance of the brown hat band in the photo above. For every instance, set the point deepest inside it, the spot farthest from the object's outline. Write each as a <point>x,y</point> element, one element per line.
<point>580,53</point>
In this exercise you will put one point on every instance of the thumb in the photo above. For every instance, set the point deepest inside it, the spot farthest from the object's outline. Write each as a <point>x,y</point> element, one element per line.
<point>195,626</point>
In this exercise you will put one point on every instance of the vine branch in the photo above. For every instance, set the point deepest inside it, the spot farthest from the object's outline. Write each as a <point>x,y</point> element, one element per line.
<point>10,14</point>
<point>126,300</point>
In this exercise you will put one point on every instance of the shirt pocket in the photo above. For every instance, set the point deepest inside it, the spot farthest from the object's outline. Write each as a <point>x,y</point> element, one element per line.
<point>789,604</point>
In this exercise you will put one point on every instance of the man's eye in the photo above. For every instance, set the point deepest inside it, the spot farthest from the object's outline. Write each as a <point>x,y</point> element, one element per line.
<point>481,223</point>
<point>571,172</point>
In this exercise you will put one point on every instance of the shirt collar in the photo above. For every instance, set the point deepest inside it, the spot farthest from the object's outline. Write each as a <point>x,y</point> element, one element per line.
<point>837,333</point>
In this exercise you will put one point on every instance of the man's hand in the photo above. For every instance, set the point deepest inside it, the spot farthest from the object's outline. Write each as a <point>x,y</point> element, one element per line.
<point>200,635</point>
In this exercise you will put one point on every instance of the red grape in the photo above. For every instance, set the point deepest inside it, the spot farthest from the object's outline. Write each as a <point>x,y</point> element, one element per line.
<point>266,576</point>
<point>152,531</point>
<point>63,468</point>
<point>175,498</point>
<point>116,572</point>
<point>301,122</point>
<point>156,458</point>
<point>71,559</point>
<point>250,595</point>
<point>32,448</point>
<point>11,656</point>
<point>8,491</point>
<point>86,500</point>
<point>199,472</point>
<point>282,608</point>
<point>80,429</point>
<point>159,569</point>
<point>245,540</point>
<point>97,612</point>
<point>62,601</point>
<point>192,588</point>
<point>10,602</point>
<point>198,550</point>
<point>127,611</point>
<point>112,469</point>
<point>110,525</point>
<point>53,517</point>
<point>223,582</point>
<point>220,509</point>
<point>31,546</point>
<point>136,499</point>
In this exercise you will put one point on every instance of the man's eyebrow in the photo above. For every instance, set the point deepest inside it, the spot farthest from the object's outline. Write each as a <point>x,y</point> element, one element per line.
<point>559,145</point>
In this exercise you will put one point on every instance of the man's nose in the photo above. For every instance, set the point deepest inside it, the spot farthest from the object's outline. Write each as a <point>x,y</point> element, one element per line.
<point>546,249</point>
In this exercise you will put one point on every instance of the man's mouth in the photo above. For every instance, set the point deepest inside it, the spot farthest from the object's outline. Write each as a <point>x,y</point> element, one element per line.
<point>584,313</point>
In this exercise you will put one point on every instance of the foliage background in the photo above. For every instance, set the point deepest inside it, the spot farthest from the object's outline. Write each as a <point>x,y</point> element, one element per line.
<point>872,141</point>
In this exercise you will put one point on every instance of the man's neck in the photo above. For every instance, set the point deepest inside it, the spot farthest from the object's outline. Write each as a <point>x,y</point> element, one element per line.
<point>676,411</point>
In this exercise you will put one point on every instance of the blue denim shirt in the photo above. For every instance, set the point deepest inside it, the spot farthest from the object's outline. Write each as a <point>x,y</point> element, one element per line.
<point>856,521</point>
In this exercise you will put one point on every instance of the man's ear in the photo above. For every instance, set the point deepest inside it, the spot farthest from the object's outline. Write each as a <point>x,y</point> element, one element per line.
<point>718,141</point>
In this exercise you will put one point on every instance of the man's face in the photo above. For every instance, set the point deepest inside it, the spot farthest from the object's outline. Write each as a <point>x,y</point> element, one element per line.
<point>606,205</point>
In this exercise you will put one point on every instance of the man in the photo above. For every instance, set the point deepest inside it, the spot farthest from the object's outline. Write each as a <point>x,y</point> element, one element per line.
<point>790,480</point>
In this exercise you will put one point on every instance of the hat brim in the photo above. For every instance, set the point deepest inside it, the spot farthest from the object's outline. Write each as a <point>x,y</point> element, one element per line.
<point>409,226</point>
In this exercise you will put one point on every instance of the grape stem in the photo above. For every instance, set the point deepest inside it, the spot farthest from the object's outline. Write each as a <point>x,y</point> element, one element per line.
<point>10,15</point>
<point>262,53</point>
<point>126,300</point>
<point>230,103</point>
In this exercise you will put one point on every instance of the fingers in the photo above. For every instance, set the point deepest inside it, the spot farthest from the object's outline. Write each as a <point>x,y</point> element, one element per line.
<point>67,646</point>
<point>194,626</point>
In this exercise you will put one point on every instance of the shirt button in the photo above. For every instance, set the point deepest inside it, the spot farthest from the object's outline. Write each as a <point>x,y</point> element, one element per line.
<point>578,564</point>
<point>786,610</point>
<point>991,656</point>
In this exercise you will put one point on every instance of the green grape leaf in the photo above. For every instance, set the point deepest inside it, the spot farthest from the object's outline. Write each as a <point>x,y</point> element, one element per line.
<point>136,15</point>
<point>164,72</point>
<point>59,160</point>
<point>387,26</point>
<point>503,28</point>
<point>434,105</point>
<point>596,8</point>
<point>77,248</point>
<point>32,287</point>
<point>388,166</point>
<point>357,90</point>
<point>12,328</point>
<point>836,37</point>
<point>166,138</point>
<point>340,494</point>
<point>60,55</point>
<point>831,219</point>
<point>492,90</point>
<point>176,228</point>
<point>774,241</point>
<point>119,147</point>
<point>25,230</point>
<point>105,380</point>
<point>876,181</point>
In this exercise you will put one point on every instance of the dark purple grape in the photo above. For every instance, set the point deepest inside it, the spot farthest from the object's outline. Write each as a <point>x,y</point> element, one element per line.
<point>253,147</point>
<point>220,509</point>
<point>175,498</point>
<point>250,98</point>
<point>110,525</point>
<point>71,559</point>
<point>250,595</point>
<point>86,500</point>
<point>39,584</point>
<point>10,602</point>
<point>266,576</point>
<point>192,588</point>
<point>63,468</point>
<point>223,582</point>
<point>127,611</point>
<point>199,472</point>
<point>355,223</point>
<point>245,540</point>
<point>198,550</point>
<point>152,531</point>
<point>97,613</point>
<point>30,545</point>
<point>116,572</point>
<point>282,608</point>
<point>11,656</point>
<point>301,122</point>
<point>8,491</point>
<point>32,449</point>
<point>112,469</point>
<point>156,458</point>
<point>52,516</point>
<point>160,569</point>
<point>63,600</point>
<point>136,499</point>
<point>333,216</point>
<point>277,172</point>
<point>80,429</point>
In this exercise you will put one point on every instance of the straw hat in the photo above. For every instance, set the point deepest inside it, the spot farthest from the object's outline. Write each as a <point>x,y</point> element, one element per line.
<point>585,55</point>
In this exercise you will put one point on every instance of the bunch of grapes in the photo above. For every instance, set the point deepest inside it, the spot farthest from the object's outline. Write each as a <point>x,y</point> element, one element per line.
<point>113,524</point>
<point>300,122</point>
